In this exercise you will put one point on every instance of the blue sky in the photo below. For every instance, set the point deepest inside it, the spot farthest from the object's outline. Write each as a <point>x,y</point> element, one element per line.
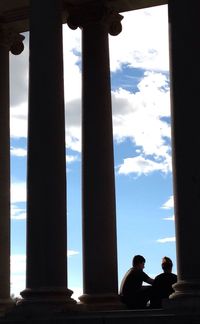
<point>142,146</point>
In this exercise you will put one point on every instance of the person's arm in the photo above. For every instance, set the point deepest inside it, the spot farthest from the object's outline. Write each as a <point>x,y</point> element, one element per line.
<point>147,279</point>
<point>150,280</point>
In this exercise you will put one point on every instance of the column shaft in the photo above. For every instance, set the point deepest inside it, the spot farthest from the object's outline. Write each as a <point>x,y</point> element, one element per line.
<point>185,70</point>
<point>4,175</point>
<point>46,169</point>
<point>99,223</point>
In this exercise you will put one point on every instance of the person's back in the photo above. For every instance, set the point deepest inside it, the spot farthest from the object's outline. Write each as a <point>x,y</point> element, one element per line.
<point>131,291</point>
<point>132,281</point>
<point>162,286</point>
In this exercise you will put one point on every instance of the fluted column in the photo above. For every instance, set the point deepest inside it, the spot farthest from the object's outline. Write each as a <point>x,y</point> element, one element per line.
<point>9,41</point>
<point>46,276</point>
<point>100,277</point>
<point>184,22</point>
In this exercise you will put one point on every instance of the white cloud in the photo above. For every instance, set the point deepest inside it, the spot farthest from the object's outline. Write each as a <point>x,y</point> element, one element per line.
<point>18,120</point>
<point>18,152</point>
<point>167,240</point>
<point>18,195</point>
<point>18,269</point>
<point>72,84</point>
<point>19,77</point>
<point>138,116</point>
<point>171,218</point>
<point>71,253</point>
<point>142,47</point>
<point>77,292</point>
<point>18,284</point>
<point>71,53</point>
<point>169,204</point>
<point>71,158</point>
<point>18,192</point>
<point>17,213</point>
<point>18,263</point>
<point>140,166</point>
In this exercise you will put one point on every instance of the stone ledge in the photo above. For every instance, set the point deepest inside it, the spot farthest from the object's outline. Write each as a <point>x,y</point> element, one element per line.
<point>108,317</point>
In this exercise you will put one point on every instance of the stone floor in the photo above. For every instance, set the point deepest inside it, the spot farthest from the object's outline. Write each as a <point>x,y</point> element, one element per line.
<point>26,316</point>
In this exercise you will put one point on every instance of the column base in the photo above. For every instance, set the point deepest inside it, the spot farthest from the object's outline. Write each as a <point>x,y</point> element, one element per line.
<point>101,302</point>
<point>6,305</point>
<point>47,299</point>
<point>186,297</point>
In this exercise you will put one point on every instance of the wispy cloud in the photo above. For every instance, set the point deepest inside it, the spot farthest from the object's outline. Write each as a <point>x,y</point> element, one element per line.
<point>71,253</point>
<point>170,218</point>
<point>19,152</point>
<point>17,213</point>
<point>169,204</point>
<point>167,240</point>
<point>71,158</point>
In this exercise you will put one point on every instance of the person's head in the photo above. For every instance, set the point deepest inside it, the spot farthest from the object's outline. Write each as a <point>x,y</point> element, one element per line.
<point>138,262</point>
<point>167,264</point>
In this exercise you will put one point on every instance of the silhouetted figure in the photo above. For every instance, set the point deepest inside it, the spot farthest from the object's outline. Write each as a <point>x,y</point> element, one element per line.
<point>132,293</point>
<point>162,286</point>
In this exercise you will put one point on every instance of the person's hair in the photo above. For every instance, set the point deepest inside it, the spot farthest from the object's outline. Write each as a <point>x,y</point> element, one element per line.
<point>137,259</point>
<point>166,264</point>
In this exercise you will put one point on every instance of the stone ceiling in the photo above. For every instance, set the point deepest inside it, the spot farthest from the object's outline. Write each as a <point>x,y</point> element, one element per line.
<point>14,14</point>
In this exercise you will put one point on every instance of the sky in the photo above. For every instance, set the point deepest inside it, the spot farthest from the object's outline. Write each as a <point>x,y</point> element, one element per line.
<point>139,65</point>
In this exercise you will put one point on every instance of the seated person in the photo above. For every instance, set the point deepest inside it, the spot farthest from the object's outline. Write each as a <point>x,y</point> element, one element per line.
<point>162,286</point>
<point>132,293</point>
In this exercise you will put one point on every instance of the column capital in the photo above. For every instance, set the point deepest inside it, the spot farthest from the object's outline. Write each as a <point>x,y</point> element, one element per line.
<point>12,40</point>
<point>93,14</point>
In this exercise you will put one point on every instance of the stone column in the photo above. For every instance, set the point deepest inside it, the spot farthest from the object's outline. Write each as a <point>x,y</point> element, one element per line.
<point>9,41</point>
<point>100,276</point>
<point>46,276</point>
<point>184,26</point>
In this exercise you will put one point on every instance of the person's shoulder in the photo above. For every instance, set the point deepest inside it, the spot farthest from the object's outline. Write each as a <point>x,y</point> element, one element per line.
<point>165,277</point>
<point>159,276</point>
<point>158,279</point>
<point>174,276</point>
